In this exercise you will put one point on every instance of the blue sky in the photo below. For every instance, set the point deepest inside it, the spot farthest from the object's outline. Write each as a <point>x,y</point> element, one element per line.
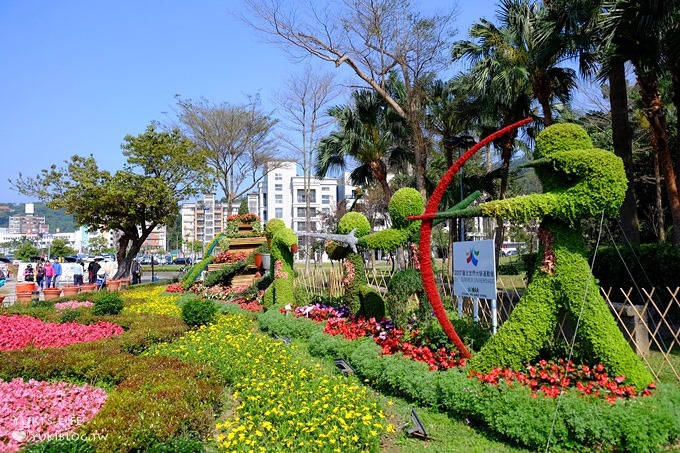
<point>80,75</point>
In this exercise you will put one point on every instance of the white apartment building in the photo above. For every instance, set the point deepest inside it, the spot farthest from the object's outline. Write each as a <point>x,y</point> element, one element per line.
<point>282,195</point>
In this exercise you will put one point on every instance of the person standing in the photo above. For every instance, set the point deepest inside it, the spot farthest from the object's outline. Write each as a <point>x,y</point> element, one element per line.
<point>78,273</point>
<point>40,274</point>
<point>136,272</point>
<point>49,274</point>
<point>57,273</point>
<point>92,270</point>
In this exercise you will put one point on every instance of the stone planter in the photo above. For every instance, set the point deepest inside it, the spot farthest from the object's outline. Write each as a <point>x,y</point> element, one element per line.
<point>113,285</point>
<point>24,297</point>
<point>124,283</point>
<point>71,290</point>
<point>51,293</point>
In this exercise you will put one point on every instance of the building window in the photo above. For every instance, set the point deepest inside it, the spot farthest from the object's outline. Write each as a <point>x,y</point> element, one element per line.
<point>301,212</point>
<point>325,199</point>
<point>301,196</point>
<point>278,199</point>
<point>278,176</point>
<point>325,189</point>
<point>326,210</point>
<point>278,187</point>
<point>278,213</point>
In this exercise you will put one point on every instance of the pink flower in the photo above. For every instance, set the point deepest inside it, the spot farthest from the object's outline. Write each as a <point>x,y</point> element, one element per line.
<point>33,411</point>
<point>19,332</point>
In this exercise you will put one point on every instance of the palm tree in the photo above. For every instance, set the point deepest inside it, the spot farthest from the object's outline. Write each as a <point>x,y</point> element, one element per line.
<point>371,133</point>
<point>640,32</point>
<point>577,23</point>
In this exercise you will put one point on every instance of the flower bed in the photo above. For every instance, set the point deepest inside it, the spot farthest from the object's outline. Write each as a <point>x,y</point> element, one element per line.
<point>231,256</point>
<point>390,339</point>
<point>19,332</point>
<point>33,411</point>
<point>284,401</point>
<point>152,300</point>
<point>551,378</point>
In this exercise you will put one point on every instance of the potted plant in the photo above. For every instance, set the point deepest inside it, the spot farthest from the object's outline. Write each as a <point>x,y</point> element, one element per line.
<point>71,290</point>
<point>24,297</point>
<point>51,293</point>
<point>113,285</point>
<point>259,253</point>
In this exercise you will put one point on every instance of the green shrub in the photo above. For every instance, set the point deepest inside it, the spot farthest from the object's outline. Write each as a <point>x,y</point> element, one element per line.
<point>69,315</point>
<point>508,269</point>
<point>372,303</point>
<point>198,312</point>
<point>273,321</point>
<point>326,346</point>
<point>652,265</point>
<point>387,240</point>
<point>400,290</point>
<point>108,303</point>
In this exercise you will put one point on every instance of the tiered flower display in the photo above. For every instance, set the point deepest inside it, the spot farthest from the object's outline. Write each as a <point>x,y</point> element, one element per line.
<point>19,332</point>
<point>34,411</point>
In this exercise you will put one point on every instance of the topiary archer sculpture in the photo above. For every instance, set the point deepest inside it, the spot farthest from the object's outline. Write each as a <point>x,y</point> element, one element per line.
<point>579,181</point>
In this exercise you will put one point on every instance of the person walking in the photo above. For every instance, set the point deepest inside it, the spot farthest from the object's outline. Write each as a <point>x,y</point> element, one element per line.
<point>49,274</point>
<point>57,273</point>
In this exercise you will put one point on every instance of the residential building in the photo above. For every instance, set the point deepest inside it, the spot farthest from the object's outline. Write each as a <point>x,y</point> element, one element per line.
<point>282,195</point>
<point>203,220</point>
<point>28,223</point>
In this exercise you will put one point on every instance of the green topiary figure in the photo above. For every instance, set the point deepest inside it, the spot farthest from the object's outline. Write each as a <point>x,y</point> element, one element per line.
<point>361,299</point>
<point>283,246</point>
<point>405,202</point>
<point>579,181</point>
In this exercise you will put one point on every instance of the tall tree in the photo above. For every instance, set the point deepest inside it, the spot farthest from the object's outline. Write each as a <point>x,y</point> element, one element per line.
<point>237,139</point>
<point>303,106</point>
<point>369,133</point>
<point>162,169</point>
<point>371,37</point>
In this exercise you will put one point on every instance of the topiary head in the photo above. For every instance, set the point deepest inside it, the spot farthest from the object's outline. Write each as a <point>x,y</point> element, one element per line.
<point>561,137</point>
<point>273,226</point>
<point>406,202</point>
<point>354,220</point>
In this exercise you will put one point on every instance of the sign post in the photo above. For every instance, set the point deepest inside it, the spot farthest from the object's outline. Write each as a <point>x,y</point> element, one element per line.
<point>474,274</point>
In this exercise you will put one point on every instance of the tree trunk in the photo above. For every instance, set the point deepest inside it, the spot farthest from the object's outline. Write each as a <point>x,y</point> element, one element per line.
<point>622,136</point>
<point>651,101</point>
<point>660,223</point>
<point>420,154</point>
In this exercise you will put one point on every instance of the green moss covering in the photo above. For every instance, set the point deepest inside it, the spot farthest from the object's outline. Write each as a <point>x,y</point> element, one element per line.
<point>273,226</point>
<point>406,202</point>
<point>354,220</point>
<point>280,292</point>
<point>387,240</point>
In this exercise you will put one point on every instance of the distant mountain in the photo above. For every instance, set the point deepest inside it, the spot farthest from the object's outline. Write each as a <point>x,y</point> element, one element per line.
<point>55,219</point>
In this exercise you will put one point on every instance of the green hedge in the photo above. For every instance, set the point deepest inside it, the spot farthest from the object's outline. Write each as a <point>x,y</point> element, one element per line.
<point>583,423</point>
<point>651,265</point>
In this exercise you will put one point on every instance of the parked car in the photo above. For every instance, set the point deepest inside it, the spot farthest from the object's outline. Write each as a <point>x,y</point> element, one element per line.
<point>183,261</point>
